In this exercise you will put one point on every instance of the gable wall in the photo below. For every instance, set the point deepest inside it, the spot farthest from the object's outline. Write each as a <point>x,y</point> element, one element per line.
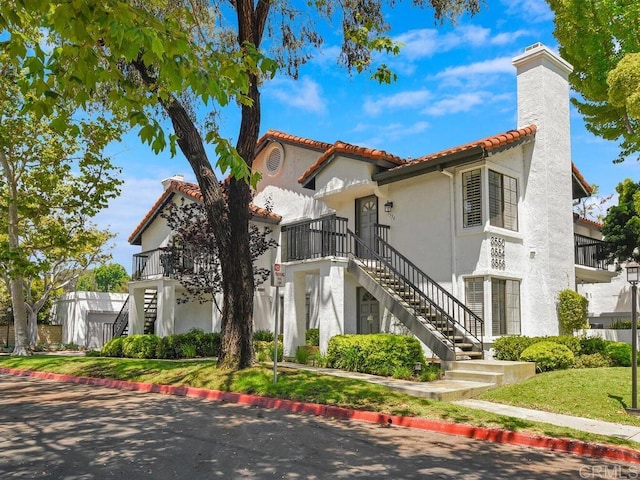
<point>282,190</point>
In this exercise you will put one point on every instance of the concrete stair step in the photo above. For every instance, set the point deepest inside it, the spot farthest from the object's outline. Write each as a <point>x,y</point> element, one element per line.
<point>513,372</point>
<point>475,376</point>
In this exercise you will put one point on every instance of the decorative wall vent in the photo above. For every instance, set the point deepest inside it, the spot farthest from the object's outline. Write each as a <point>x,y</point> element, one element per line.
<point>275,159</point>
<point>497,253</point>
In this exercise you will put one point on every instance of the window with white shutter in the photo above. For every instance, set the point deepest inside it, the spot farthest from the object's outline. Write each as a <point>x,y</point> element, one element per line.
<point>474,295</point>
<point>472,198</point>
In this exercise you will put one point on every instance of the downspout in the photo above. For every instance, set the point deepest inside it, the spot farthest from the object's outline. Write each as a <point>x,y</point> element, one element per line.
<point>452,198</point>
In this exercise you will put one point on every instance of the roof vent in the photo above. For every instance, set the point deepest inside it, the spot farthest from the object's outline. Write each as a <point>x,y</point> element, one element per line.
<point>535,45</point>
<point>275,159</point>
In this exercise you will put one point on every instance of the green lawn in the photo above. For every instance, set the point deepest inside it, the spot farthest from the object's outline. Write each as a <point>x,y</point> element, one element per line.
<point>598,393</point>
<point>294,385</point>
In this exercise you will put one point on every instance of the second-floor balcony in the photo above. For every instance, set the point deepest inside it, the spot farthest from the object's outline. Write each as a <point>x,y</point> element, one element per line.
<point>589,252</point>
<point>165,263</point>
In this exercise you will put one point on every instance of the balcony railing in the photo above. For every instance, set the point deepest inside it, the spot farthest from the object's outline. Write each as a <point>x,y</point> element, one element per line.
<point>322,237</point>
<point>162,263</point>
<point>589,252</point>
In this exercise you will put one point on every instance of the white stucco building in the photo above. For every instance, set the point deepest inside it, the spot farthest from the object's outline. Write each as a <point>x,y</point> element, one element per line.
<point>458,247</point>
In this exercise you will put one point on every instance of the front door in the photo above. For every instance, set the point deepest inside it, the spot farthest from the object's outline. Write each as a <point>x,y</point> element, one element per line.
<point>368,312</point>
<point>366,219</point>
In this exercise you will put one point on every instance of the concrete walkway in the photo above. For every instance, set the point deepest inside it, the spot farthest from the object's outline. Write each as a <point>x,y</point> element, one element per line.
<point>441,388</point>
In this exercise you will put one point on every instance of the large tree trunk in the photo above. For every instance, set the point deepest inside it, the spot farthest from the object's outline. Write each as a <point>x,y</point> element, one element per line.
<point>16,280</point>
<point>32,327</point>
<point>21,337</point>
<point>229,219</point>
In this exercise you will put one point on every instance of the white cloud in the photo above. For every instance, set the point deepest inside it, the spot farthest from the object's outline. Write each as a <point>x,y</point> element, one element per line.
<point>462,102</point>
<point>304,94</point>
<point>427,42</point>
<point>487,67</point>
<point>531,10</point>
<point>507,38</point>
<point>411,99</point>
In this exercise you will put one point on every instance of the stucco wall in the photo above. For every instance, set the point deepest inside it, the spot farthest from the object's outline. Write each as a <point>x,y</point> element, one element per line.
<point>72,311</point>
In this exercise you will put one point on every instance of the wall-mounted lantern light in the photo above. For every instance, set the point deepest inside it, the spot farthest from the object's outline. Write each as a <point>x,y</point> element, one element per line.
<point>388,206</point>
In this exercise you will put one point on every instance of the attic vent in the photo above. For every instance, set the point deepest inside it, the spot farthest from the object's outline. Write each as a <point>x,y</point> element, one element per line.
<point>275,158</point>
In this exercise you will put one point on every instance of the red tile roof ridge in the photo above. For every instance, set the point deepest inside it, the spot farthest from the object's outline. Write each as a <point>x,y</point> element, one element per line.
<point>343,147</point>
<point>577,217</point>
<point>487,143</point>
<point>287,137</point>
<point>581,179</point>
<point>191,190</point>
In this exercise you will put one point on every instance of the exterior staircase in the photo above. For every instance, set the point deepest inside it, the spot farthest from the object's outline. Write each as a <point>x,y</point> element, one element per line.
<point>121,324</point>
<point>443,323</point>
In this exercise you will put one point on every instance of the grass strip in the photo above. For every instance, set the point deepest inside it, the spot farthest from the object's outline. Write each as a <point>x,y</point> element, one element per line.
<point>295,385</point>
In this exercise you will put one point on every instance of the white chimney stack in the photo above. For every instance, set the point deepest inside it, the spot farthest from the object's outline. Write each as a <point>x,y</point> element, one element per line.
<point>167,181</point>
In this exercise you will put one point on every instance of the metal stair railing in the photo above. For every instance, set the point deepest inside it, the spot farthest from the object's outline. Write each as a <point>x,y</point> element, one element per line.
<point>424,290</point>
<point>122,320</point>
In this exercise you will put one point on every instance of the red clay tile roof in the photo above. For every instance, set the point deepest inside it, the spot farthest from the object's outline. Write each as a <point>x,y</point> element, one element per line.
<point>581,179</point>
<point>342,148</point>
<point>191,190</point>
<point>591,223</point>
<point>488,144</point>
<point>287,138</point>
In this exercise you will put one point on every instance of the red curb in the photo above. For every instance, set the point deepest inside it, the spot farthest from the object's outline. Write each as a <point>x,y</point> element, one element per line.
<point>494,435</point>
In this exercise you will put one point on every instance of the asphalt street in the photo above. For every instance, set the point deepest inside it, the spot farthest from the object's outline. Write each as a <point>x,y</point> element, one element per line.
<point>76,432</point>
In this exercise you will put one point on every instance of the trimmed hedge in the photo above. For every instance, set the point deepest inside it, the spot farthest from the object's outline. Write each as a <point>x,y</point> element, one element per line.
<point>511,347</point>
<point>619,354</point>
<point>113,348</point>
<point>548,356</point>
<point>377,354</point>
<point>572,310</point>
<point>140,346</point>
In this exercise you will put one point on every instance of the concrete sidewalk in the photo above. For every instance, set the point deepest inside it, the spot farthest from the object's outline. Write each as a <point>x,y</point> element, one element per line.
<point>440,389</point>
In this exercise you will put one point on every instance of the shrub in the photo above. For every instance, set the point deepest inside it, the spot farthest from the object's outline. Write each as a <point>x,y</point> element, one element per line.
<point>430,372</point>
<point>312,337</point>
<point>619,354</point>
<point>377,354</point>
<point>572,310</point>
<point>166,348</point>
<point>569,341</point>
<point>263,336</point>
<point>140,346</point>
<point>622,325</point>
<point>188,350</point>
<point>591,345</point>
<point>319,359</point>
<point>402,373</point>
<point>510,348</point>
<point>113,348</point>
<point>548,356</point>
<point>592,360</point>
<point>303,355</point>
<point>264,351</point>
<point>92,353</point>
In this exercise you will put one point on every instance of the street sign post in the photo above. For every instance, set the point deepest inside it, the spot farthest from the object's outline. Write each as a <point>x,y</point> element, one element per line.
<point>277,280</point>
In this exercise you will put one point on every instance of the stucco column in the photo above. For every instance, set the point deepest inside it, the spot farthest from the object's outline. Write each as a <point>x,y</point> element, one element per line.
<point>165,320</point>
<point>332,295</point>
<point>136,311</point>
<point>294,312</point>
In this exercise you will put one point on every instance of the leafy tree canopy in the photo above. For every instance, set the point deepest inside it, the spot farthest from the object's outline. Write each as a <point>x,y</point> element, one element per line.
<point>110,277</point>
<point>621,226</point>
<point>600,39</point>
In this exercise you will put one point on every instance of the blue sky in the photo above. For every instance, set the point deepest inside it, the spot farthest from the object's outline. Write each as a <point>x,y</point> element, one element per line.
<point>455,84</point>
